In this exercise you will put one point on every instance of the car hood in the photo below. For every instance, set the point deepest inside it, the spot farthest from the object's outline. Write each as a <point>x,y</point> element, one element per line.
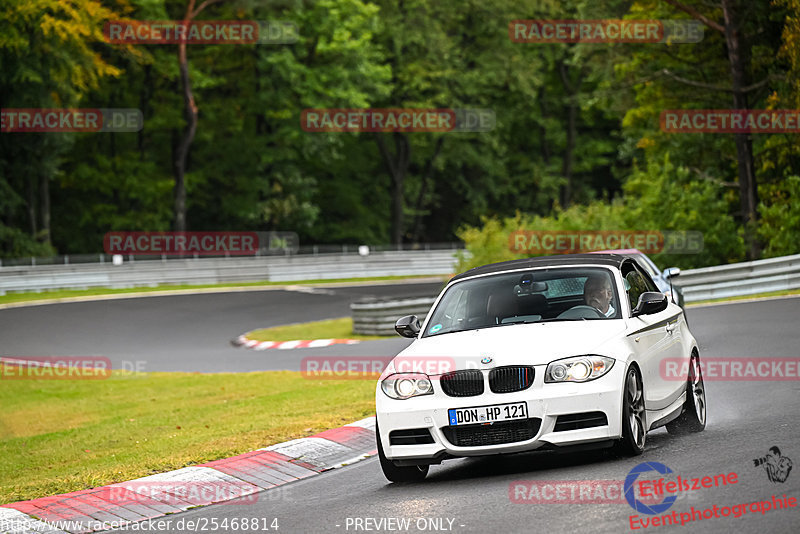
<point>523,344</point>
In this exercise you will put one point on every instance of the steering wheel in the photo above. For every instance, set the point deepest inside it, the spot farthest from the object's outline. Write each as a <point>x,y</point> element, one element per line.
<point>581,311</point>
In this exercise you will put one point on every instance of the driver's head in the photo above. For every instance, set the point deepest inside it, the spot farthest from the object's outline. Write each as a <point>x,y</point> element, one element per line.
<point>597,292</point>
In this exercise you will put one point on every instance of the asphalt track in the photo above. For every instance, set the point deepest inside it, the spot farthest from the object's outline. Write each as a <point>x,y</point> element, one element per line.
<point>190,332</point>
<point>467,495</point>
<point>472,495</point>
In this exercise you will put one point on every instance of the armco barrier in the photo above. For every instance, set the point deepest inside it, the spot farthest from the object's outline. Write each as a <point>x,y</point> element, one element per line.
<point>217,270</point>
<point>737,279</point>
<point>377,316</point>
<point>740,279</point>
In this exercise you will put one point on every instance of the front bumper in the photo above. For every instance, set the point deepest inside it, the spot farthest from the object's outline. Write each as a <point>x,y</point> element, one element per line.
<point>544,401</point>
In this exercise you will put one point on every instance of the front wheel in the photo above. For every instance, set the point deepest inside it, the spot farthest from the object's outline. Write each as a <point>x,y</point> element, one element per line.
<point>693,418</point>
<point>633,415</point>
<point>393,473</point>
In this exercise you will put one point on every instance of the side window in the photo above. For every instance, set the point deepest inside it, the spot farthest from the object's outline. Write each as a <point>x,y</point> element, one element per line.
<point>651,286</point>
<point>637,286</point>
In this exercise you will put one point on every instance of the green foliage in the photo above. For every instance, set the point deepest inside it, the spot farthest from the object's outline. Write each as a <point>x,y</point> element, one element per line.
<point>648,204</point>
<point>252,167</point>
<point>780,213</point>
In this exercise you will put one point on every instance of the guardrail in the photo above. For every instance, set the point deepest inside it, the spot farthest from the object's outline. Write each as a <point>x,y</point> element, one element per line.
<point>740,279</point>
<point>211,271</point>
<point>376,317</point>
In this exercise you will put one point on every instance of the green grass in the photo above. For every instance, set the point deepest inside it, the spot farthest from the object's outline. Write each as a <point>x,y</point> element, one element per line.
<point>58,436</point>
<point>10,298</point>
<point>781,293</point>
<point>328,329</point>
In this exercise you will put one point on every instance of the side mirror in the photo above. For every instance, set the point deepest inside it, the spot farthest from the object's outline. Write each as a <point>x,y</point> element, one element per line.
<point>671,272</point>
<point>650,302</point>
<point>407,326</point>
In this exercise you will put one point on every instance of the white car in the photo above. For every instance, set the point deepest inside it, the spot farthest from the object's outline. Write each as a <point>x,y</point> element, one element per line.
<point>539,353</point>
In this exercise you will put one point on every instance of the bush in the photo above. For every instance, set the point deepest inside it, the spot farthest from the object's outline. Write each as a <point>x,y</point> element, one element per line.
<point>661,198</point>
<point>780,218</point>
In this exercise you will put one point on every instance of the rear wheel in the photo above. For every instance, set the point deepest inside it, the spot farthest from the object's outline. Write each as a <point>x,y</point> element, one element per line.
<point>693,418</point>
<point>633,415</point>
<point>414,473</point>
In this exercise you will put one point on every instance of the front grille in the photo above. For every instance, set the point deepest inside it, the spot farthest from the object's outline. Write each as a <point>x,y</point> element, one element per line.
<point>575,421</point>
<point>410,436</point>
<point>510,379</point>
<point>467,383</point>
<point>492,434</point>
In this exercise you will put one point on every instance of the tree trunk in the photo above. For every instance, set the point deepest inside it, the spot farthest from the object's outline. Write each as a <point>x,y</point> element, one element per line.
<point>397,166</point>
<point>44,206</point>
<point>31,194</point>
<point>572,119</point>
<point>423,189</point>
<point>748,189</point>
<point>190,114</point>
<point>569,150</point>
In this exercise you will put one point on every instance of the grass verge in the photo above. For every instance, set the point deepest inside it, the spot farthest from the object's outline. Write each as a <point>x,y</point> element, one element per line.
<point>341,328</point>
<point>782,293</point>
<point>11,298</point>
<point>58,436</point>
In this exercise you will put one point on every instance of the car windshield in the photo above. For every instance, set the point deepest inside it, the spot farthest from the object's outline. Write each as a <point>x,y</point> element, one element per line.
<point>541,295</point>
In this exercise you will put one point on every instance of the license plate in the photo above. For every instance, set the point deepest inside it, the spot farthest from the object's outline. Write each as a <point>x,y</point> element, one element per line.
<point>487,414</point>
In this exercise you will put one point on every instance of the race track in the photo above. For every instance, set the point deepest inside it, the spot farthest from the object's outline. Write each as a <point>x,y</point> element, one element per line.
<point>472,495</point>
<point>746,418</point>
<point>189,332</point>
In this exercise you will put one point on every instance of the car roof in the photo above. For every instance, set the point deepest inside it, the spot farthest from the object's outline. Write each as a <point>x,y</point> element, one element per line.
<point>624,251</point>
<point>562,260</point>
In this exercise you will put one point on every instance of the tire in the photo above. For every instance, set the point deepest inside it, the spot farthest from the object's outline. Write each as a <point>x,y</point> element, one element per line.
<point>634,433</point>
<point>414,473</point>
<point>693,417</point>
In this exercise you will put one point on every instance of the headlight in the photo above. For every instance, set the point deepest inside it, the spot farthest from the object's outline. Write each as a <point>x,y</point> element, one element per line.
<point>406,385</point>
<point>578,369</point>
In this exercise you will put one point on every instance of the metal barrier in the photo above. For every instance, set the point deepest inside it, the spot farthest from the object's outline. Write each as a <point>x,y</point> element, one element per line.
<point>773,274</point>
<point>212,271</point>
<point>740,279</point>
<point>377,316</point>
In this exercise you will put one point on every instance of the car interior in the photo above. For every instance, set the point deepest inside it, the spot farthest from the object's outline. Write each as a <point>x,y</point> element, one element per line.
<point>513,300</point>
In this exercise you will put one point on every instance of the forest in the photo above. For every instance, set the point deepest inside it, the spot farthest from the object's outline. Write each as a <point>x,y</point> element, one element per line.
<point>577,139</point>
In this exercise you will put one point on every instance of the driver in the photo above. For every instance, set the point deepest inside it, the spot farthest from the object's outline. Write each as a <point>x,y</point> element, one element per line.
<point>598,294</point>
